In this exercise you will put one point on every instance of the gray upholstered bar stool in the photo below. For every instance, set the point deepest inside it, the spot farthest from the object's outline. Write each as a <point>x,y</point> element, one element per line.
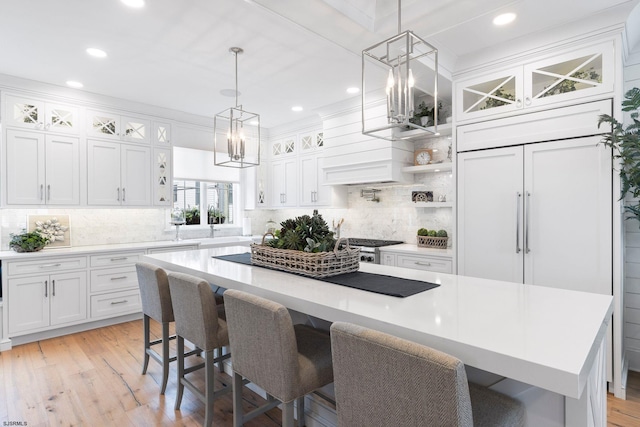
<point>286,361</point>
<point>201,321</point>
<point>383,380</point>
<point>156,305</point>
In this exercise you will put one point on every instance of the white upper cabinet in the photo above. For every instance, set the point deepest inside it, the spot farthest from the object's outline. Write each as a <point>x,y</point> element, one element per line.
<point>564,77</point>
<point>310,142</point>
<point>162,181</point>
<point>284,147</point>
<point>118,174</point>
<point>40,115</point>
<point>283,183</point>
<point>161,133</point>
<point>42,169</point>
<point>110,125</point>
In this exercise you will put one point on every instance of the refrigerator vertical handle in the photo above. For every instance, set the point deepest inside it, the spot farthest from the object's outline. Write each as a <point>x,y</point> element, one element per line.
<point>526,223</point>
<point>518,200</point>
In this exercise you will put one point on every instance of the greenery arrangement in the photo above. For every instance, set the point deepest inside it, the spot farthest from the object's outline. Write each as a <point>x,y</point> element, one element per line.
<point>570,85</point>
<point>215,216</point>
<point>28,242</point>
<point>424,110</point>
<point>498,93</point>
<point>192,215</point>
<point>625,142</point>
<point>304,233</point>
<point>432,233</point>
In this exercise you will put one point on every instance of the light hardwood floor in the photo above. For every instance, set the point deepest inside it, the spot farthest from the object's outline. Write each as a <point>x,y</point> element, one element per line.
<point>93,379</point>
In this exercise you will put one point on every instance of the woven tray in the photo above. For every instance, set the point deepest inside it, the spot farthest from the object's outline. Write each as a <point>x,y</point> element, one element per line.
<point>432,242</point>
<point>320,264</point>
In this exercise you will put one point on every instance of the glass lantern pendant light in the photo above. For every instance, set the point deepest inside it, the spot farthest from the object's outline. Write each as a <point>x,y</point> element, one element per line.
<point>398,74</point>
<point>237,132</point>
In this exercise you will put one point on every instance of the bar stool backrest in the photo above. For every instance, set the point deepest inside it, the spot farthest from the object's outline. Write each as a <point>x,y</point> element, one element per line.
<point>154,292</point>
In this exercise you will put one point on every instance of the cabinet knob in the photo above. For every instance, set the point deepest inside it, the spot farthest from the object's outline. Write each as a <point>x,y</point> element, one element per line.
<point>519,103</point>
<point>527,101</point>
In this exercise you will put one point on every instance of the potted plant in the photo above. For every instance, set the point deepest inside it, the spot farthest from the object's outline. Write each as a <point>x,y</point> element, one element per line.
<point>215,216</point>
<point>432,238</point>
<point>423,115</point>
<point>625,142</point>
<point>28,242</point>
<point>192,215</point>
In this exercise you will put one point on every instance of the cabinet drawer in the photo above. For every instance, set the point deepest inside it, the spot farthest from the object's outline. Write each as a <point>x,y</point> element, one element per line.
<point>440,265</point>
<point>115,304</point>
<point>121,258</point>
<point>48,265</point>
<point>113,279</point>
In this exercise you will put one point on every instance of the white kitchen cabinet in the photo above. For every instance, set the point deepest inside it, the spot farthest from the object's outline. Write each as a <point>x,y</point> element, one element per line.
<point>283,185</point>
<point>416,260</point>
<point>538,214</point>
<point>312,192</point>
<point>162,180</point>
<point>310,142</point>
<point>40,115</point>
<point>118,174</point>
<point>111,125</point>
<point>40,302</point>
<point>561,77</point>
<point>42,169</point>
<point>161,133</point>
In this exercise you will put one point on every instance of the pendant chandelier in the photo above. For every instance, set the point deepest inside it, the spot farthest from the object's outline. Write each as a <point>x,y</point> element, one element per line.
<point>237,132</point>
<point>399,74</point>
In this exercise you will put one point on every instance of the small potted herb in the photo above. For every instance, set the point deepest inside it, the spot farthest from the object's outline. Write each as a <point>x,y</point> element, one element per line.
<point>28,242</point>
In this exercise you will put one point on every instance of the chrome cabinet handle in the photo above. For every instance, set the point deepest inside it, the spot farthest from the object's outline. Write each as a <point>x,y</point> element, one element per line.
<point>119,302</point>
<point>53,283</point>
<point>422,263</point>
<point>118,190</point>
<point>46,288</point>
<point>124,198</point>
<point>119,278</point>
<point>48,192</point>
<point>41,191</point>
<point>122,258</point>
<point>526,224</point>
<point>50,265</point>
<point>518,195</point>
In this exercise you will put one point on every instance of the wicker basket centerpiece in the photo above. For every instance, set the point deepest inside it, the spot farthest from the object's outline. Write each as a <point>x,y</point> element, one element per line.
<point>432,239</point>
<point>306,246</point>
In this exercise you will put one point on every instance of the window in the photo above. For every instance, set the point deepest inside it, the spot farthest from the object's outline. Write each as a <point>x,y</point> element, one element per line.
<point>204,202</point>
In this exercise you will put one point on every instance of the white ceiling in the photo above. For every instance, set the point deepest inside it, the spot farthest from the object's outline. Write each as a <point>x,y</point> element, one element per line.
<point>174,53</point>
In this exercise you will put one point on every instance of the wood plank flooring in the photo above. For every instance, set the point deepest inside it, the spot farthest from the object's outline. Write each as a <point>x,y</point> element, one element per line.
<point>93,379</point>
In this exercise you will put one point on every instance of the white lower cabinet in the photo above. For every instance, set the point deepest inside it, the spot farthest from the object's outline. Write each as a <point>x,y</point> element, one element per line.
<point>40,302</point>
<point>417,261</point>
<point>115,304</point>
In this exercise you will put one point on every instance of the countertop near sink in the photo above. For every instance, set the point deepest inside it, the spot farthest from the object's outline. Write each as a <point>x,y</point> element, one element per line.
<point>413,249</point>
<point>213,242</point>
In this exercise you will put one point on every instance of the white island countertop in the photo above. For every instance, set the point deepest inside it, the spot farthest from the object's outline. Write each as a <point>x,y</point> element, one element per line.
<point>545,337</point>
<point>413,249</point>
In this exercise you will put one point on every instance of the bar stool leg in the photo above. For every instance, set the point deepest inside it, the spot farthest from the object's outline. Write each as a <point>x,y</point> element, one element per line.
<point>165,356</point>
<point>210,377</point>
<point>145,327</point>
<point>180,360</point>
<point>287,414</point>
<point>301,420</point>
<point>237,400</point>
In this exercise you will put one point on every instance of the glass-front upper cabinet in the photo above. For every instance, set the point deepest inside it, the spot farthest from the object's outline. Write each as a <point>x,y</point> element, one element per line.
<point>109,125</point>
<point>561,77</point>
<point>41,115</point>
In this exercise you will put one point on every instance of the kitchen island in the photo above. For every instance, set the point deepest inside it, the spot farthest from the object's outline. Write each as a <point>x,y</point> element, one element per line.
<point>539,341</point>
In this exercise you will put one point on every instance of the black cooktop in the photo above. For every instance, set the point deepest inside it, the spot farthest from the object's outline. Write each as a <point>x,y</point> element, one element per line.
<point>372,243</point>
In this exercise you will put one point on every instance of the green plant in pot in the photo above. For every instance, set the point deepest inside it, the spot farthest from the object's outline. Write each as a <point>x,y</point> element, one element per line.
<point>625,141</point>
<point>304,233</point>
<point>423,114</point>
<point>192,215</point>
<point>215,216</point>
<point>28,242</point>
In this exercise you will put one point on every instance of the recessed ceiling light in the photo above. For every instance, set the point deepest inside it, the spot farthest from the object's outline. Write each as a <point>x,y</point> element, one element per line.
<point>353,90</point>
<point>96,53</point>
<point>504,19</point>
<point>133,3</point>
<point>74,84</point>
<point>296,108</point>
<point>254,123</point>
